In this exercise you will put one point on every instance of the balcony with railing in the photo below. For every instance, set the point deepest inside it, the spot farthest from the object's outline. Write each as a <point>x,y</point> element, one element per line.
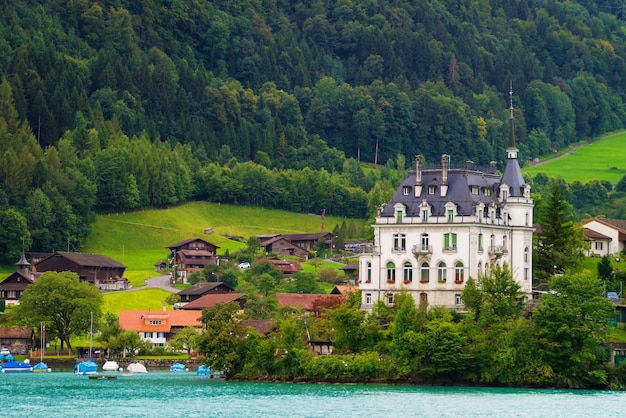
<point>497,250</point>
<point>422,249</point>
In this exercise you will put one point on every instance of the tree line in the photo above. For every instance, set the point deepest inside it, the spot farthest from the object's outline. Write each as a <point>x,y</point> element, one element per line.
<point>114,105</point>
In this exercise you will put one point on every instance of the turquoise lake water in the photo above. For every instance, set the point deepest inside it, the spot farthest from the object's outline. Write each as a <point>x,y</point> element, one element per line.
<point>165,394</point>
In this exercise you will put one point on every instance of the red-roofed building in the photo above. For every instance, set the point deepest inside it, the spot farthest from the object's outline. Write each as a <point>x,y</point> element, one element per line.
<point>287,267</point>
<point>213,299</point>
<point>201,289</point>
<point>305,301</point>
<point>159,327</point>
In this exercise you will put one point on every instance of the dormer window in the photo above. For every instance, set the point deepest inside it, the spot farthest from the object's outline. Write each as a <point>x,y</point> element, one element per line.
<point>486,191</point>
<point>474,190</point>
<point>432,189</point>
<point>406,190</point>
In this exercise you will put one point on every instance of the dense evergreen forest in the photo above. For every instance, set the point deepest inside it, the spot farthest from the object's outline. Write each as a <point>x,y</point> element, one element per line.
<point>114,105</point>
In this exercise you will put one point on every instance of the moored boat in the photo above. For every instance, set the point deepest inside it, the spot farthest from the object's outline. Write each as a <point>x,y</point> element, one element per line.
<point>136,368</point>
<point>16,367</point>
<point>110,366</point>
<point>178,367</point>
<point>41,367</point>
<point>85,368</point>
<point>203,370</point>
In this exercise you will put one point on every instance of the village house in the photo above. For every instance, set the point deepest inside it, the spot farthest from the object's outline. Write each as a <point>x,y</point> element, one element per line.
<point>159,327</point>
<point>287,267</point>
<point>293,244</point>
<point>201,289</point>
<point>605,236</point>
<point>12,288</point>
<point>19,340</point>
<point>97,269</point>
<point>212,299</point>
<point>447,223</point>
<point>192,255</point>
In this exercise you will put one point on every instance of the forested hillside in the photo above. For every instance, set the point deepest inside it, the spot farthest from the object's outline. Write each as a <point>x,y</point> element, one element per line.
<point>115,105</point>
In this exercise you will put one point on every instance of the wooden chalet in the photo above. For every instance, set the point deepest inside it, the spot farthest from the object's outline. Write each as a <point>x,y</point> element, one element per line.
<point>201,289</point>
<point>293,244</point>
<point>192,255</point>
<point>19,340</point>
<point>343,290</point>
<point>12,288</point>
<point>159,327</point>
<point>96,269</point>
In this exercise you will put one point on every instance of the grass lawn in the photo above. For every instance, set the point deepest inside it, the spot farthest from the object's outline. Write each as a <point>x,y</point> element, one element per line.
<point>136,299</point>
<point>603,159</point>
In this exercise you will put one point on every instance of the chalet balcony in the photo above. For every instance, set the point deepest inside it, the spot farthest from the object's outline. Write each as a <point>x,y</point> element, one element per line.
<point>497,250</point>
<point>422,250</point>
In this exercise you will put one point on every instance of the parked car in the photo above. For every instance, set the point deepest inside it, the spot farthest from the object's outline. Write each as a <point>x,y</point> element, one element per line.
<point>244,266</point>
<point>5,351</point>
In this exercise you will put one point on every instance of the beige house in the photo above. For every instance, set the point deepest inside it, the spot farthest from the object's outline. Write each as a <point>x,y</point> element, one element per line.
<point>606,236</point>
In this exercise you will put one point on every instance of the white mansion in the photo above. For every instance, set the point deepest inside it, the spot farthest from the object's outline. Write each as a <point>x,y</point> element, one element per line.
<point>445,224</point>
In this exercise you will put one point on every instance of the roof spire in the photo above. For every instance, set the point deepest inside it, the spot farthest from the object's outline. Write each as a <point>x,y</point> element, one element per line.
<point>511,118</point>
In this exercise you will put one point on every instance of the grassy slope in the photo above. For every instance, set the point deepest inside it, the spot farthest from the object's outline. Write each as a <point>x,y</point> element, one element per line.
<point>139,239</point>
<point>601,160</point>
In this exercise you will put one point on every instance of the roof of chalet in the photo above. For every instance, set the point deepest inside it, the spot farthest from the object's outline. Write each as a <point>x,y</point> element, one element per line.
<point>591,234</point>
<point>459,192</point>
<point>135,320</point>
<point>301,300</point>
<point>212,299</point>
<point>286,266</point>
<point>202,287</point>
<point>262,326</point>
<point>187,241</point>
<point>87,260</point>
<point>513,178</point>
<point>350,266</point>
<point>305,237</point>
<point>15,332</point>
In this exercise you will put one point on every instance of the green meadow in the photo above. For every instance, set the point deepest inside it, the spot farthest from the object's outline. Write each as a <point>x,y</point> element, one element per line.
<point>603,159</point>
<point>140,239</point>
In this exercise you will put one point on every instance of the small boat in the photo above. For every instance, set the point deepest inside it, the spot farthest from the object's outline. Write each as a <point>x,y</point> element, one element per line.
<point>178,367</point>
<point>16,367</point>
<point>88,367</point>
<point>102,376</point>
<point>41,367</point>
<point>203,370</point>
<point>110,366</point>
<point>85,368</point>
<point>136,368</point>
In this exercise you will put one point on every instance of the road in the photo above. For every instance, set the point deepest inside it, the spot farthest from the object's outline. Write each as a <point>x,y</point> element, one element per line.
<point>160,282</point>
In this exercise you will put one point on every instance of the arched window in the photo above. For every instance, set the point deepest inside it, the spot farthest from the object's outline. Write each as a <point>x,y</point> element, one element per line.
<point>425,273</point>
<point>423,298</point>
<point>391,272</point>
<point>441,272</point>
<point>408,272</point>
<point>459,272</point>
<point>480,267</point>
<point>526,255</point>
<point>369,272</point>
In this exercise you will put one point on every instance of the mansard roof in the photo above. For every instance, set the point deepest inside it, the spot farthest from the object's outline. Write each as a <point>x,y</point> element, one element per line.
<point>461,181</point>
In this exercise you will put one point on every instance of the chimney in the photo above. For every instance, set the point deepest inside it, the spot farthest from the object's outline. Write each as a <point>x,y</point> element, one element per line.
<point>469,165</point>
<point>418,175</point>
<point>445,162</point>
<point>492,167</point>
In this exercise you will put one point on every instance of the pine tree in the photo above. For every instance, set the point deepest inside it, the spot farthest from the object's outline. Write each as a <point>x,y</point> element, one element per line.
<point>560,244</point>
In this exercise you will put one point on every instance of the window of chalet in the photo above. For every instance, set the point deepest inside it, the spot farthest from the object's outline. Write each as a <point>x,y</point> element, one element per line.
<point>408,272</point>
<point>391,272</point>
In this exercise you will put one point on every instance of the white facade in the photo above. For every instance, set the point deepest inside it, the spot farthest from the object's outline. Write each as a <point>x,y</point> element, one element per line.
<point>445,224</point>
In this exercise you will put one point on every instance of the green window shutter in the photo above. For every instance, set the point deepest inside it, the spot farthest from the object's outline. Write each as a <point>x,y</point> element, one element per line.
<point>446,241</point>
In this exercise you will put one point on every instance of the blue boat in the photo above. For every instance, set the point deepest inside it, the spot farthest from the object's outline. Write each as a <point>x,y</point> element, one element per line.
<point>178,367</point>
<point>86,368</point>
<point>41,367</point>
<point>203,370</point>
<point>16,367</point>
